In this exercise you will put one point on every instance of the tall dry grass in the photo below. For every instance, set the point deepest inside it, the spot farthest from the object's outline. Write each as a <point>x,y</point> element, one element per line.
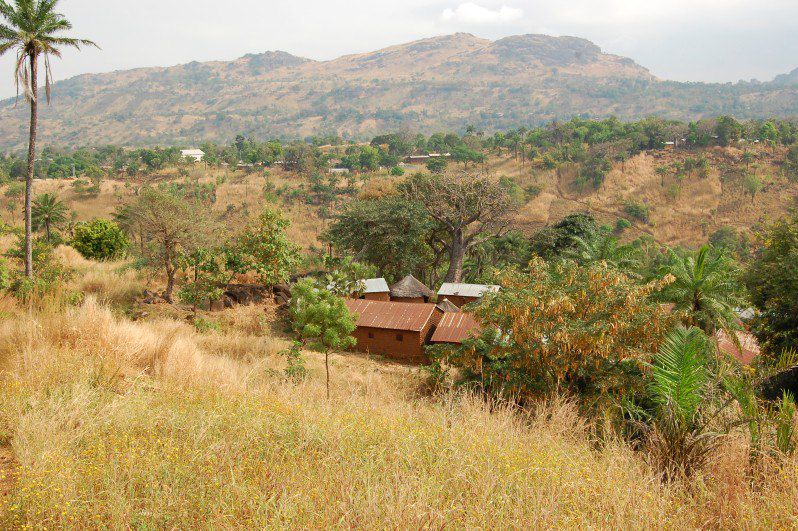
<point>120,424</point>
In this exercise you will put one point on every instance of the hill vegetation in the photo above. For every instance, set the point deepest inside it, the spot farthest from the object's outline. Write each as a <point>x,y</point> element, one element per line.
<point>136,392</point>
<point>441,83</point>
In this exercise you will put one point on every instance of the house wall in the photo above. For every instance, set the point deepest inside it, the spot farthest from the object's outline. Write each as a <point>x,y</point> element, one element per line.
<point>384,341</point>
<point>408,299</point>
<point>385,297</point>
<point>459,300</point>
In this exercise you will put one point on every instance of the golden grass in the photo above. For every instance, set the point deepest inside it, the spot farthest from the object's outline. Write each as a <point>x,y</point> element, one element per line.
<point>121,424</point>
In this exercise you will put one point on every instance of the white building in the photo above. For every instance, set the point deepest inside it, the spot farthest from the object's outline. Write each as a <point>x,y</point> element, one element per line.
<point>196,154</point>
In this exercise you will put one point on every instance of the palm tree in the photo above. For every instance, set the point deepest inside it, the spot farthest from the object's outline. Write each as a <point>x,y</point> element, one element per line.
<point>605,248</point>
<point>48,212</point>
<point>704,288</point>
<point>33,29</point>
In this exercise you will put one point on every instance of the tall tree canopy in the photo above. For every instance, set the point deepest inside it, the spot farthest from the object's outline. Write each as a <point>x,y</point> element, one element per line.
<point>469,209</point>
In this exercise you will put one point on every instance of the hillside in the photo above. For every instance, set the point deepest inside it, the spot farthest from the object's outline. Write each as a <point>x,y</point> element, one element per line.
<point>438,83</point>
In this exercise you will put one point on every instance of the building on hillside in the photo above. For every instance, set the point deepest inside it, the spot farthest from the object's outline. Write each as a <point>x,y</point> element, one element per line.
<point>453,328</point>
<point>446,306</point>
<point>196,154</point>
<point>750,346</point>
<point>462,294</point>
<point>372,289</point>
<point>416,159</point>
<point>376,289</point>
<point>410,289</point>
<point>338,171</point>
<point>397,330</point>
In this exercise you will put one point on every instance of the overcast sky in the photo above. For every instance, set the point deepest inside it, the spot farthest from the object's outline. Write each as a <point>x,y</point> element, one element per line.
<point>689,40</point>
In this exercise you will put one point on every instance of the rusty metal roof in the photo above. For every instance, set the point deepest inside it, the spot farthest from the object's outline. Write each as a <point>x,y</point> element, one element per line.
<point>747,341</point>
<point>408,316</point>
<point>455,327</point>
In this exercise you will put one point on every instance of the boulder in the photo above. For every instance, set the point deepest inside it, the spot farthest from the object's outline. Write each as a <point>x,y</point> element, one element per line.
<point>246,293</point>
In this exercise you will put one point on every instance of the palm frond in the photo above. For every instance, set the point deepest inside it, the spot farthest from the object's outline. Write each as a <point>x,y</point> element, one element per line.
<point>679,374</point>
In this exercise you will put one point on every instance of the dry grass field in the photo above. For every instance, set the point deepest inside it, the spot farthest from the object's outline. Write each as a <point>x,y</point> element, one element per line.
<point>117,424</point>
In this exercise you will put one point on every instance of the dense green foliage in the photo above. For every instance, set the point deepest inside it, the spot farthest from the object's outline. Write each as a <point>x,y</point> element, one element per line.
<point>99,239</point>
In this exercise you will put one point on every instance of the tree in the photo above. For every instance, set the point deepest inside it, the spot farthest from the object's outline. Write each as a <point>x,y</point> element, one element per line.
<point>392,233</point>
<point>752,184</point>
<point>679,391</point>
<point>321,319</point>
<point>345,277</point>
<point>704,288</point>
<point>48,212</point>
<point>171,225</point>
<point>99,239</point>
<point>562,327</point>
<point>437,164</point>
<point>263,249</point>
<point>205,274</point>
<point>555,240</point>
<point>603,247</point>
<point>469,209</point>
<point>772,281</point>
<point>33,28</point>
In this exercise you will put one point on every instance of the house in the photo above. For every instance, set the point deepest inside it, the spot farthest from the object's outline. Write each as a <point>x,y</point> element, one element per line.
<point>453,328</point>
<point>462,294</point>
<point>397,330</point>
<point>375,289</point>
<point>749,344</point>
<point>196,154</point>
<point>410,289</point>
<point>446,306</point>
<point>372,289</point>
<point>338,171</point>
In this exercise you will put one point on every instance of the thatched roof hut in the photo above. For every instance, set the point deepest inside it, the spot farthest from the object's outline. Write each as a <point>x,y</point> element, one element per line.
<point>410,289</point>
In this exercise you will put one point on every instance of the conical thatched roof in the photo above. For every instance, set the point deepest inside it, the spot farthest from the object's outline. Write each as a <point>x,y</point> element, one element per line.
<point>410,287</point>
<point>447,306</point>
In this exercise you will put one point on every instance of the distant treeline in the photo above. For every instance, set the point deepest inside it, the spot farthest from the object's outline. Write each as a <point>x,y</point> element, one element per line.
<point>592,144</point>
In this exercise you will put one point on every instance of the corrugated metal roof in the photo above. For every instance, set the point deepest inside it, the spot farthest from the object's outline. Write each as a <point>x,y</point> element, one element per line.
<point>466,290</point>
<point>446,305</point>
<point>747,341</point>
<point>455,327</point>
<point>376,285</point>
<point>391,315</point>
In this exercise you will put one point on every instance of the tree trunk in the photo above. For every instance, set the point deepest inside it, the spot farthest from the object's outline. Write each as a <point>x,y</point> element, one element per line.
<point>170,273</point>
<point>327,370</point>
<point>34,116</point>
<point>456,257</point>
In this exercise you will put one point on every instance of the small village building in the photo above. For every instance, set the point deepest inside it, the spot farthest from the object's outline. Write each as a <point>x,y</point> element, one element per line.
<point>338,171</point>
<point>462,294</point>
<point>397,330</point>
<point>375,289</point>
<point>750,347</point>
<point>446,306</point>
<point>454,328</point>
<point>195,154</point>
<point>410,289</point>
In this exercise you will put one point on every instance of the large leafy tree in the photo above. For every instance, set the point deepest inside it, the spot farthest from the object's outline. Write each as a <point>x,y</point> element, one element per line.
<point>34,30</point>
<point>772,281</point>
<point>392,233</point>
<point>469,210</point>
<point>585,330</point>
<point>48,212</point>
<point>704,288</point>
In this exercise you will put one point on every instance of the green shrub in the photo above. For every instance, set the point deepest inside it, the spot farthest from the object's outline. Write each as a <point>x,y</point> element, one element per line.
<point>99,239</point>
<point>396,171</point>
<point>637,210</point>
<point>622,224</point>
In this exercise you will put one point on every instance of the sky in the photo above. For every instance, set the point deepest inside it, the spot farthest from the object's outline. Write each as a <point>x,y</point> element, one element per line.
<point>685,40</point>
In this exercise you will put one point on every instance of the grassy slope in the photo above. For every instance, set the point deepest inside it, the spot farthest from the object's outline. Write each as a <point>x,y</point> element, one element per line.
<point>149,424</point>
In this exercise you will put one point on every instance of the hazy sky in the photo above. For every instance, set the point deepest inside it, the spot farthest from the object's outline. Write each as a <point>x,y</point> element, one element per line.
<point>697,40</point>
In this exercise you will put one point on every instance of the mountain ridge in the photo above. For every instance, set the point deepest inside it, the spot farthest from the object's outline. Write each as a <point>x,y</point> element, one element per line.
<point>442,82</point>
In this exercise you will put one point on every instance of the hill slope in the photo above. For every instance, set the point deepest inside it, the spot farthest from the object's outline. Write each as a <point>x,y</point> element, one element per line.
<point>438,83</point>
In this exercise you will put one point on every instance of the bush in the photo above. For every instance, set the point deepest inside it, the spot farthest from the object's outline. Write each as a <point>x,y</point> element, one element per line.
<point>622,224</point>
<point>99,239</point>
<point>637,210</point>
<point>396,171</point>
